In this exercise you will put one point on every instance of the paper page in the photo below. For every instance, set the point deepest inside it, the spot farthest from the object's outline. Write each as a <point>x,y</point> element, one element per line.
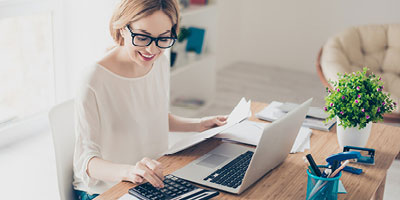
<point>128,197</point>
<point>271,112</point>
<point>305,145</point>
<point>174,137</point>
<point>301,138</point>
<point>308,143</point>
<point>315,112</point>
<point>238,114</point>
<point>184,144</point>
<point>249,132</point>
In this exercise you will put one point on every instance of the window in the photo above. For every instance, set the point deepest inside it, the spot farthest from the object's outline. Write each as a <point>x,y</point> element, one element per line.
<point>44,47</point>
<point>27,71</point>
<point>26,65</point>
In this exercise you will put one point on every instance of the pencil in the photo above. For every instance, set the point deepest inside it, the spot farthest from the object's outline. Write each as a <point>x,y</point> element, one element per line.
<point>339,169</point>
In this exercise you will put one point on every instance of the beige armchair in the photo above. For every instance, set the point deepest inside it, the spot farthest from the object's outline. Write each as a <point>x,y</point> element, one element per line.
<point>374,46</point>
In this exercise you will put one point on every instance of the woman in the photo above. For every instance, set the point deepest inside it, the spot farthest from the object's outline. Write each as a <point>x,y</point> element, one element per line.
<point>122,107</point>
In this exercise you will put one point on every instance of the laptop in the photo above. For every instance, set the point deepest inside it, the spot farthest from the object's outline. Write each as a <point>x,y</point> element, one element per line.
<point>233,167</point>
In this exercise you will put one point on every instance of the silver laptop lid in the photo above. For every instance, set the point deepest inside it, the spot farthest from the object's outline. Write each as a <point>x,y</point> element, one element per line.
<point>275,144</point>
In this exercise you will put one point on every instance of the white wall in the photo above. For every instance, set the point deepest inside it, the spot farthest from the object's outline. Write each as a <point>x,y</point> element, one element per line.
<point>289,33</point>
<point>86,35</point>
<point>228,32</point>
<point>284,33</point>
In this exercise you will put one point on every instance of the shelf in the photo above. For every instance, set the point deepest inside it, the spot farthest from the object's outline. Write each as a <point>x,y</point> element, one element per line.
<point>193,77</point>
<point>196,9</point>
<point>195,80</point>
<point>188,112</point>
<point>205,59</point>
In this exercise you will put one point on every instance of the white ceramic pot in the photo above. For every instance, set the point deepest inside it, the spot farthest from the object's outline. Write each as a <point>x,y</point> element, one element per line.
<point>353,136</point>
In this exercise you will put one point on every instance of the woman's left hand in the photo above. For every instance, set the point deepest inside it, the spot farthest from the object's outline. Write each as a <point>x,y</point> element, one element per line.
<point>211,122</point>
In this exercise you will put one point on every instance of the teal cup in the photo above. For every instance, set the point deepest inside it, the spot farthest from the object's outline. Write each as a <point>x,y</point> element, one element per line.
<point>322,188</point>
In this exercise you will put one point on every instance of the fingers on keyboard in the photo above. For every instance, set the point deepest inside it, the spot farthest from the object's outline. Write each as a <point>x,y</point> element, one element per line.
<point>149,175</point>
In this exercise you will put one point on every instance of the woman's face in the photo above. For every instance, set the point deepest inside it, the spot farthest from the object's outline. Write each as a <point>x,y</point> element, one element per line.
<point>156,25</point>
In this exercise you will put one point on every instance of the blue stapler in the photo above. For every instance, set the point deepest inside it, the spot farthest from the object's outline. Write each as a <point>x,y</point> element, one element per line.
<point>368,159</point>
<point>349,155</point>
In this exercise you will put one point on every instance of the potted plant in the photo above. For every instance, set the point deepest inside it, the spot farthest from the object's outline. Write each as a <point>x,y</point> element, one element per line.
<point>357,100</point>
<point>179,49</point>
<point>184,33</point>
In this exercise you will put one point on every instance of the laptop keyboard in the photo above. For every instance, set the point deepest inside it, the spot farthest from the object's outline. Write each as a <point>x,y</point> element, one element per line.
<point>231,175</point>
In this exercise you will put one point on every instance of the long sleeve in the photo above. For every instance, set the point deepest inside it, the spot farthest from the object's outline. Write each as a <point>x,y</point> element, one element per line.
<point>120,120</point>
<point>87,127</point>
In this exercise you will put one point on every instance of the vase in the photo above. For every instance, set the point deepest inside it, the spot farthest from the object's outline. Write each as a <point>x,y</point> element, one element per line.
<point>352,136</point>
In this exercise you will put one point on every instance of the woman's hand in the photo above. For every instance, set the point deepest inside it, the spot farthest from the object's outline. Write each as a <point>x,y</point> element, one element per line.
<point>211,122</point>
<point>146,169</point>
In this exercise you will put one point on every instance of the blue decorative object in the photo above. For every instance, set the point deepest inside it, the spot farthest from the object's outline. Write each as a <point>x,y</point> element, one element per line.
<point>195,40</point>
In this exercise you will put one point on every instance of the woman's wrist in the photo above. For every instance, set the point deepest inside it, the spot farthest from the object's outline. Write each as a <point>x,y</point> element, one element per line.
<point>124,172</point>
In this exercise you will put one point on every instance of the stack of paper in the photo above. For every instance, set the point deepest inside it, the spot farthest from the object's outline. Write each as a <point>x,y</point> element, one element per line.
<point>249,132</point>
<point>315,118</point>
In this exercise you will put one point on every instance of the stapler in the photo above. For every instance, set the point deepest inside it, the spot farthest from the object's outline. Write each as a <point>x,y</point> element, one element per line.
<point>349,155</point>
<point>369,159</point>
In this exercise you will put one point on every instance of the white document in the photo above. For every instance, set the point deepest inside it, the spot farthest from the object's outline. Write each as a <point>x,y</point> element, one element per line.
<point>249,132</point>
<point>302,141</point>
<point>128,197</point>
<point>273,112</point>
<point>305,145</point>
<point>315,112</point>
<point>238,114</point>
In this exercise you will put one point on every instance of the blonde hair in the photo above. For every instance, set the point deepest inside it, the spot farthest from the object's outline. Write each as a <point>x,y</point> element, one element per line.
<point>132,10</point>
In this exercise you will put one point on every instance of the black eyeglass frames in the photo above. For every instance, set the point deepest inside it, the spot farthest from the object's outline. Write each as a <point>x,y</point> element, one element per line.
<point>142,40</point>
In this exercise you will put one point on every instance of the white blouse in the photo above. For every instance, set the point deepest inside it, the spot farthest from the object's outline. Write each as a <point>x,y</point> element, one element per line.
<point>120,119</point>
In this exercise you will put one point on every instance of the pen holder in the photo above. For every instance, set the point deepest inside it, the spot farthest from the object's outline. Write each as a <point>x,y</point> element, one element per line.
<point>322,188</point>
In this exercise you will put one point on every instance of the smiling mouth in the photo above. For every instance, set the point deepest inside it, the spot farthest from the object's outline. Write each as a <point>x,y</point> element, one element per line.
<point>147,57</point>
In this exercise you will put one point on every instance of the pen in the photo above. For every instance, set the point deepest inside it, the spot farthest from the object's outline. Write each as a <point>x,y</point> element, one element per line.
<point>313,165</point>
<point>308,166</point>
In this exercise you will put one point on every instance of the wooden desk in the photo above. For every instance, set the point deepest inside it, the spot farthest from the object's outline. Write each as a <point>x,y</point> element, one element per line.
<point>289,180</point>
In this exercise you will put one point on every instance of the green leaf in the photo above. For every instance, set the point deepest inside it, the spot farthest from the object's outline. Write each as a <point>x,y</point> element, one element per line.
<point>370,100</point>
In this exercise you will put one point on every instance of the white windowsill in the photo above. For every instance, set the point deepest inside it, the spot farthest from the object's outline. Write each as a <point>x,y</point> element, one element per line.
<point>19,129</point>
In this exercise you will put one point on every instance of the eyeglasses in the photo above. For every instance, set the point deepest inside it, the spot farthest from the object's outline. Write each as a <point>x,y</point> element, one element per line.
<point>141,40</point>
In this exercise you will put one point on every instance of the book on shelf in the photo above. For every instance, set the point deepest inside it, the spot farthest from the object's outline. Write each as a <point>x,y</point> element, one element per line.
<point>195,39</point>
<point>315,118</point>
<point>198,2</point>
<point>190,103</point>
